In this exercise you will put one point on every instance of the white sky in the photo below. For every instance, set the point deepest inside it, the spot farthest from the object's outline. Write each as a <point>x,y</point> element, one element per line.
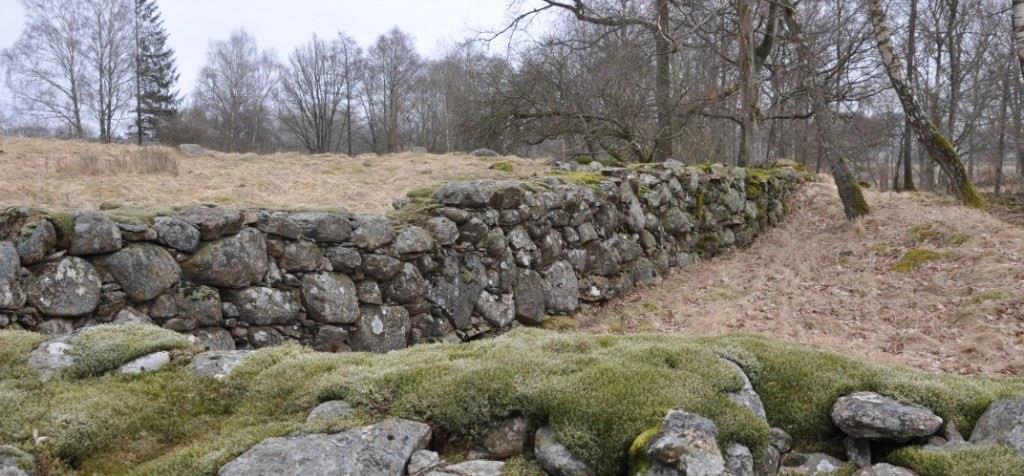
<point>283,24</point>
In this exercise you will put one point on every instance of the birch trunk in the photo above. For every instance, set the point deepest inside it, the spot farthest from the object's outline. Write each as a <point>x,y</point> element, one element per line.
<point>938,147</point>
<point>1018,31</point>
<point>750,140</point>
<point>850,193</point>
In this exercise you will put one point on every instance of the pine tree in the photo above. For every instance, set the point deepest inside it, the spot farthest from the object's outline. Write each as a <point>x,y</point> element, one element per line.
<point>155,72</point>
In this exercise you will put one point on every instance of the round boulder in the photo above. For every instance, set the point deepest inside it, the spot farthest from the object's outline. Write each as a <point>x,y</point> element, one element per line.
<point>144,271</point>
<point>234,262</point>
<point>66,288</point>
<point>330,298</point>
<point>876,417</point>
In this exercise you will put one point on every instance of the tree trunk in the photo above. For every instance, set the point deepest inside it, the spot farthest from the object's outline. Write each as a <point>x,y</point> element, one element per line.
<point>850,193</point>
<point>1018,32</point>
<point>663,86</point>
<point>908,147</point>
<point>1001,145</point>
<point>939,148</point>
<point>750,140</point>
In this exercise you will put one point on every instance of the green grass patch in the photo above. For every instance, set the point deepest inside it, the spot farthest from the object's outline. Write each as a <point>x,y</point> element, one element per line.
<point>104,348</point>
<point>597,392</point>
<point>983,460</point>
<point>590,179</point>
<point>503,166</point>
<point>916,257</point>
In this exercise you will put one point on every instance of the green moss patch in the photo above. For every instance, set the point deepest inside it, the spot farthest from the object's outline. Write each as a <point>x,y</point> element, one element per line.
<point>503,166</point>
<point>597,392</point>
<point>914,258</point>
<point>103,348</point>
<point>984,460</point>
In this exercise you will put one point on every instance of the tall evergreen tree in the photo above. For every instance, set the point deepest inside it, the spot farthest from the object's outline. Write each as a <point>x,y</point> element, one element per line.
<point>155,72</point>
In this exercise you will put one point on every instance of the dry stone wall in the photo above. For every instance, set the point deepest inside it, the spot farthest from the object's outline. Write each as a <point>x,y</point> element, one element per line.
<point>467,259</point>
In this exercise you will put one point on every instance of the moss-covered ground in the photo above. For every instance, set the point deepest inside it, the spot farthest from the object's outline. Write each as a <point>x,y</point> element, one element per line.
<point>598,392</point>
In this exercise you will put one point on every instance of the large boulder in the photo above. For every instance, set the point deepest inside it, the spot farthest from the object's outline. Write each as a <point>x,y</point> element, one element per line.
<point>531,294</point>
<point>199,303</point>
<point>321,227</point>
<point>213,222</point>
<point>36,241</point>
<point>506,440</point>
<point>484,152</point>
<point>555,458</point>
<point>94,234</point>
<point>1002,423</point>
<point>300,256</point>
<point>234,262</point>
<point>11,294</point>
<point>876,417</point>
<point>66,288</point>
<point>330,298</point>
<point>413,239</point>
<point>262,306</point>
<point>192,150</point>
<point>497,312</point>
<point>407,286</point>
<point>466,194</point>
<point>176,233</point>
<point>685,445</point>
<point>381,328</point>
<point>381,449</point>
<point>372,232</point>
<point>563,288</point>
<point>144,271</point>
<point>52,356</point>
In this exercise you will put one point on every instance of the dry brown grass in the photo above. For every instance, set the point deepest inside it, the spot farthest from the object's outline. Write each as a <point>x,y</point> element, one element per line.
<point>76,174</point>
<point>821,281</point>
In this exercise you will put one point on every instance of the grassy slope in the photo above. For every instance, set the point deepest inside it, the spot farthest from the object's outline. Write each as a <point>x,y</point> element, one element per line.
<point>598,392</point>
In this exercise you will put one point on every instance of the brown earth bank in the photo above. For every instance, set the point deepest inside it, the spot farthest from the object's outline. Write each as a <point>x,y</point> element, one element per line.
<point>920,282</point>
<point>67,174</point>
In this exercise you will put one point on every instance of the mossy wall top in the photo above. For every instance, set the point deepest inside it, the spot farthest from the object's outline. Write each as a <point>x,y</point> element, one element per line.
<point>452,263</point>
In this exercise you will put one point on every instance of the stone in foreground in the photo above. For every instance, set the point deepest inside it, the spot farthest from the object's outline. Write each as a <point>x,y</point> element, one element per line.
<point>218,363</point>
<point>873,416</point>
<point>146,363</point>
<point>556,459</point>
<point>685,445</point>
<point>14,462</point>
<point>330,410</point>
<point>52,357</point>
<point>1002,423</point>
<point>809,464</point>
<point>884,469</point>
<point>380,449</point>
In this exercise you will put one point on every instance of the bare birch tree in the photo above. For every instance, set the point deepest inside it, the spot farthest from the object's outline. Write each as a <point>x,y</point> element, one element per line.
<point>312,95</point>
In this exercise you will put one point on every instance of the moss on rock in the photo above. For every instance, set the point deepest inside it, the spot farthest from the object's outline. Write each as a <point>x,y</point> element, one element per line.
<point>914,258</point>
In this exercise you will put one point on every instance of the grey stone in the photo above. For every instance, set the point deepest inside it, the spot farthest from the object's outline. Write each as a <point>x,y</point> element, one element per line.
<point>467,194</point>
<point>218,364</point>
<point>372,232</point>
<point>202,303</point>
<point>471,468</point>
<point>130,315</point>
<point>66,288</point>
<point>858,451</point>
<point>369,292</point>
<point>300,256</point>
<point>507,195</point>
<point>413,239</point>
<point>330,298</point>
<point>506,440</point>
<point>498,313</point>
<point>213,222</point>
<point>484,153</point>
<point>56,327</point>
<point>781,440</point>
<point>144,271</point>
<point>555,458</point>
<point>686,443</point>
<point>746,395</point>
<point>94,234</point>
<point>379,266</point>
<point>234,262</point>
<point>52,356</point>
<point>343,259</point>
<point>809,464</point>
<point>279,224</point>
<point>381,328</point>
<point>14,462</point>
<point>36,241</point>
<point>381,449</point>
<point>884,469</point>
<point>423,461</point>
<point>12,296</point>
<point>563,288</point>
<point>177,234</point>
<point>322,227</point>
<point>331,339</point>
<point>213,338</point>
<point>331,410</point>
<point>265,306</point>
<point>407,286</point>
<point>1002,423</point>
<point>738,460</point>
<point>444,231</point>
<point>530,294</point>
<point>873,416</point>
<point>192,150</point>
<point>145,364</point>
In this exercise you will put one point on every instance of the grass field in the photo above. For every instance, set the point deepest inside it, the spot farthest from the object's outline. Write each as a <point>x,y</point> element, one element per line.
<point>75,174</point>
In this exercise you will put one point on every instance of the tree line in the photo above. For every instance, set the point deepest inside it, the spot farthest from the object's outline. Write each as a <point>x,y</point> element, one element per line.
<point>902,94</point>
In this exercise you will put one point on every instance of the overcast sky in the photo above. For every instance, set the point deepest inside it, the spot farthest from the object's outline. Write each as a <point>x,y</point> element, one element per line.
<point>283,24</point>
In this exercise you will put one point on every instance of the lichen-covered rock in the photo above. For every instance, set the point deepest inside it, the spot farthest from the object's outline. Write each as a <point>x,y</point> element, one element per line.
<point>484,153</point>
<point>1002,423</point>
<point>873,416</point>
<point>506,440</point>
<point>384,448</point>
<point>131,315</point>
<point>378,266</point>
<point>445,231</point>
<point>372,232</point>
<point>52,356</point>
<point>177,234</point>
<point>407,286</point>
<point>531,293</point>
<point>94,234</point>
<point>323,227</point>
<point>381,328</point>
<point>14,462</point>
<point>343,259</point>
<point>413,239</point>
<point>563,288</point>
<point>555,458</point>
<point>884,469</point>
<point>330,410</point>
<point>809,464</point>
<point>11,294</point>
<point>66,288</point>
<point>262,306</point>
<point>213,338</point>
<point>466,194</point>
<point>685,443</point>
<point>145,364</point>
<point>498,312</point>
<point>218,364</point>
<point>36,241</point>
<point>738,460</point>
<point>330,298</point>
<point>746,395</point>
<point>300,256</point>
<point>423,461</point>
<point>144,271</point>
<point>201,303</point>
<point>331,339</point>
<point>213,222</point>
<point>234,262</point>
